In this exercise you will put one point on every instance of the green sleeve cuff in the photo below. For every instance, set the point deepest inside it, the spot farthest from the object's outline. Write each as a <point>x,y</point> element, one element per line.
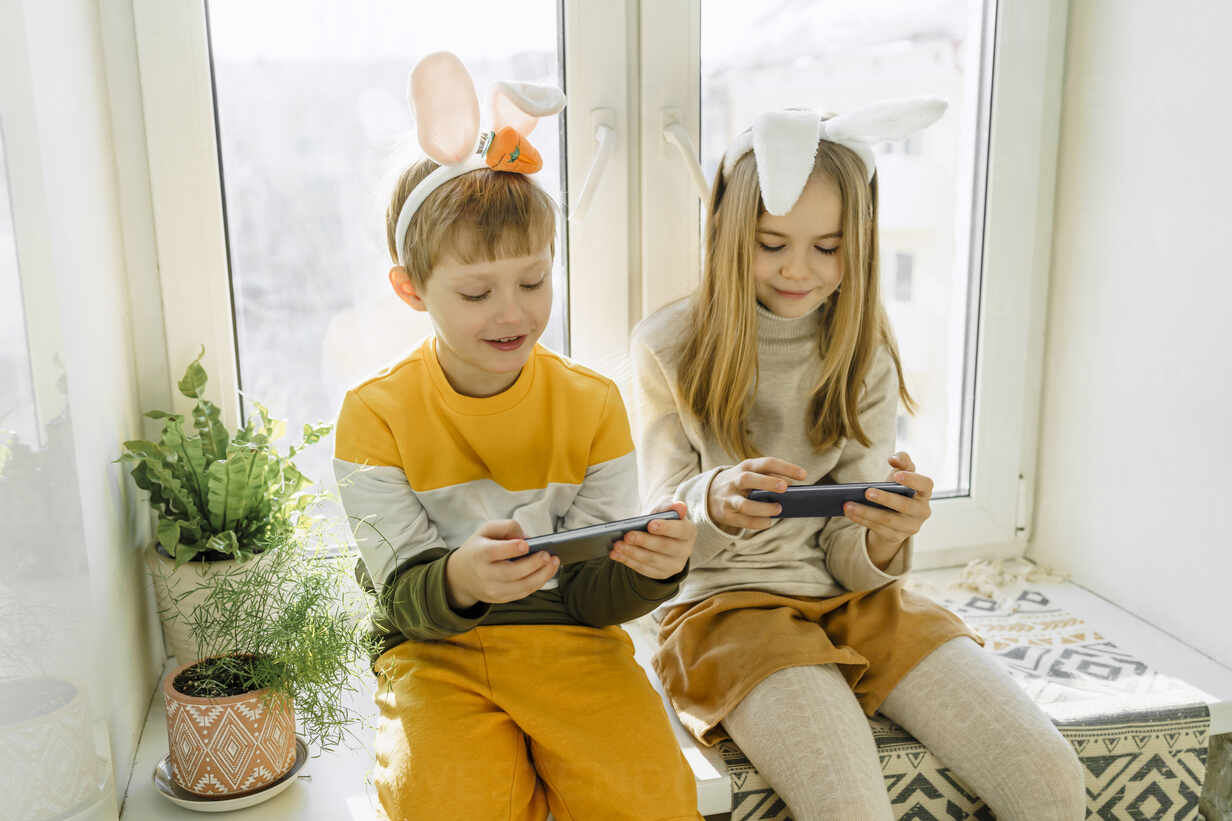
<point>443,617</point>
<point>657,590</point>
<point>419,607</point>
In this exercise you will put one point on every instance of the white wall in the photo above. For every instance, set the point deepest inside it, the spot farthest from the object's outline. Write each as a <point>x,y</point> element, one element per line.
<point>83,341</point>
<point>1136,442</point>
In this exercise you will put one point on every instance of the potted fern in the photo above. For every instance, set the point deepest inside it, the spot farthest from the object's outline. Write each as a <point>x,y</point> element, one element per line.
<point>223,501</point>
<point>294,624</point>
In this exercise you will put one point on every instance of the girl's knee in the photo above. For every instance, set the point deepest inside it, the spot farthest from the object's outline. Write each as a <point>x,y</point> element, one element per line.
<point>1051,782</point>
<point>1074,788</point>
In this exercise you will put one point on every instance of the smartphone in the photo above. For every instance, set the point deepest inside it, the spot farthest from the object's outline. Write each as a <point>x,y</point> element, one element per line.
<point>592,541</point>
<point>821,501</point>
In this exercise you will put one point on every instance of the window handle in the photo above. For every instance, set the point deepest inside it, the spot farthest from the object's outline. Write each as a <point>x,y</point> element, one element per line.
<point>604,122</point>
<point>676,134</point>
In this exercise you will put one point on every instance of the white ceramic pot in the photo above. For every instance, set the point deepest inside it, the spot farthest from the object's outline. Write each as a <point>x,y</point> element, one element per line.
<point>178,590</point>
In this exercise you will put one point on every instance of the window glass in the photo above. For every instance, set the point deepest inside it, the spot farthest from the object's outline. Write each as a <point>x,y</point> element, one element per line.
<point>314,126</point>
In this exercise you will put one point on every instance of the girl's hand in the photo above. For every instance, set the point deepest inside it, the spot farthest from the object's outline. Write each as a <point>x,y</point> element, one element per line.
<point>662,552</point>
<point>888,529</point>
<point>728,503</point>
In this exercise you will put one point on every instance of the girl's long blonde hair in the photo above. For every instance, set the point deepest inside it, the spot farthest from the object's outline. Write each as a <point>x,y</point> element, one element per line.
<point>718,362</point>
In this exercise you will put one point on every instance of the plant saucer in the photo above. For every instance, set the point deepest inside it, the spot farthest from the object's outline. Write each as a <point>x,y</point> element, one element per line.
<point>178,795</point>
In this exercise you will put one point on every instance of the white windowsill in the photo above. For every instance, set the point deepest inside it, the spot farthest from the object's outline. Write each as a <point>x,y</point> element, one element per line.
<point>335,786</point>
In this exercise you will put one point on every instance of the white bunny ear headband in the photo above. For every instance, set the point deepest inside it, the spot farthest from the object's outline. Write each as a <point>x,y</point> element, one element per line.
<point>785,142</point>
<point>446,108</point>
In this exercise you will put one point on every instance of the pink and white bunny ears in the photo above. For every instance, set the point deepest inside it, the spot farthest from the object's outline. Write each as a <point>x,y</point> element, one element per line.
<point>785,142</point>
<point>446,108</point>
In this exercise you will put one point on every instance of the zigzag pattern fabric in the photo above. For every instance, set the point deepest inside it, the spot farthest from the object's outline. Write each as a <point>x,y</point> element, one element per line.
<point>1141,735</point>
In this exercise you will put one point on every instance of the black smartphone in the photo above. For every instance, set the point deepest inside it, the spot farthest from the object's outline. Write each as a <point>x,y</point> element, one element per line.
<point>821,501</point>
<point>592,541</point>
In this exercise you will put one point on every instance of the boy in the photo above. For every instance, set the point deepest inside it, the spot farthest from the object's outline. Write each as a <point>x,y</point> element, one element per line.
<point>506,686</point>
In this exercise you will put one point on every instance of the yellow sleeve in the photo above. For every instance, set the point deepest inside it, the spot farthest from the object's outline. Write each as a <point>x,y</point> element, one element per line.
<point>362,437</point>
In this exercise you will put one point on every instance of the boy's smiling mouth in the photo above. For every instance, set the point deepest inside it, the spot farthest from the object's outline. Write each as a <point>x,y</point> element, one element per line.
<point>507,343</point>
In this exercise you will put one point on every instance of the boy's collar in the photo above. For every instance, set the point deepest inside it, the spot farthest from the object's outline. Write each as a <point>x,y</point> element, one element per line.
<point>460,403</point>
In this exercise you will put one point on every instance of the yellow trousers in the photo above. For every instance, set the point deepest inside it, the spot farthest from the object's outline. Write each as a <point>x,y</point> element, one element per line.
<point>507,721</point>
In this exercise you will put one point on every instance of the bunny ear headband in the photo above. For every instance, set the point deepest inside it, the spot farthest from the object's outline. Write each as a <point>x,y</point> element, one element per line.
<point>446,108</point>
<point>785,142</point>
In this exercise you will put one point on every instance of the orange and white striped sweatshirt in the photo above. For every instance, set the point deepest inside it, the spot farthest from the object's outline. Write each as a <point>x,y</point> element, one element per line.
<point>421,467</point>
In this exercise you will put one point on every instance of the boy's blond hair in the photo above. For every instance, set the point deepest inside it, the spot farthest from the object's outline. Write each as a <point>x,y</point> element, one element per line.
<point>718,367</point>
<point>481,215</point>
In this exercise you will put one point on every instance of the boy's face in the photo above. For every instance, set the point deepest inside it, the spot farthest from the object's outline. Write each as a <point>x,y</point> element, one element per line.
<point>796,263</point>
<point>488,316</point>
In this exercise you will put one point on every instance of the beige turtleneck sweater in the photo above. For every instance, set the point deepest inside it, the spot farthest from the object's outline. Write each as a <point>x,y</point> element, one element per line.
<point>677,458</point>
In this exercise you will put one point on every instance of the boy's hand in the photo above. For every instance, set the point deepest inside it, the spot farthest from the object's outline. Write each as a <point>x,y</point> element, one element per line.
<point>888,529</point>
<point>663,551</point>
<point>728,502</point>
<point>478,571</point>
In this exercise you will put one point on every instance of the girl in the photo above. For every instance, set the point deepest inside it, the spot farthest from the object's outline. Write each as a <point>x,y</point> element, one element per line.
<point>780,369</point>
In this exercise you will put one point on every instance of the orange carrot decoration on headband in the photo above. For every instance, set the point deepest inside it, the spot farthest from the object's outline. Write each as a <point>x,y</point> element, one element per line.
<point>507,150</point>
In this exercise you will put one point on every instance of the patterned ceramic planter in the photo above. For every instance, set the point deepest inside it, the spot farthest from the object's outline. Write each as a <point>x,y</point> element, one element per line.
<point>46,748</point>
<point>227,746</point>
<point>180,590</point>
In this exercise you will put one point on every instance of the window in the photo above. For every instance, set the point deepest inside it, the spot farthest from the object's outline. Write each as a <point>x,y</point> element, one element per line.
<point>313,127</point>
<point>301,115</point>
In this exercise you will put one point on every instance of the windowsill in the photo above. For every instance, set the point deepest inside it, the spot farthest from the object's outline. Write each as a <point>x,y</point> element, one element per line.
<point>336,786</point>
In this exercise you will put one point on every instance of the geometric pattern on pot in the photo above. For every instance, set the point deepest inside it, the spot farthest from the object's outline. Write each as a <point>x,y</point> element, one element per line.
<point>278,735</point>
<point>233,749</point>
<point>227,746</point>
<point>229,749</point>
<point>187,746</point>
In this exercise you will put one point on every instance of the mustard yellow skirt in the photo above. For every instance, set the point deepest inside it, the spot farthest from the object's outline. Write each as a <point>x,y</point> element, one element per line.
<point>713,652</point>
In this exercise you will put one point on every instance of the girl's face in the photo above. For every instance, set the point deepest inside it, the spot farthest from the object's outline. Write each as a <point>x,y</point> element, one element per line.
<point>796,261</point>
<point>488,317</point>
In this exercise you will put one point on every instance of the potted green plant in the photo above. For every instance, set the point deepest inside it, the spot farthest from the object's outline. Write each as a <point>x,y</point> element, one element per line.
<point>222,500</point>
<point>295,622</point>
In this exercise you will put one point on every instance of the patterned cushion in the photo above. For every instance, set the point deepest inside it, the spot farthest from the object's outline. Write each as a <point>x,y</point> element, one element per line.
<point>1141,735</point>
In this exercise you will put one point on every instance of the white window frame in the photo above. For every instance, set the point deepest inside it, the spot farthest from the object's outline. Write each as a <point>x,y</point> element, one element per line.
<point>634,66</point>
<point>600,81</point>
<point>186,192</point>
<point>993,521</point>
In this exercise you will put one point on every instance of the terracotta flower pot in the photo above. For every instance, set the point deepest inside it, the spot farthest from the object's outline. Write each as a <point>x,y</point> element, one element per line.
<point>227,746</point>
<point>179,590</point>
